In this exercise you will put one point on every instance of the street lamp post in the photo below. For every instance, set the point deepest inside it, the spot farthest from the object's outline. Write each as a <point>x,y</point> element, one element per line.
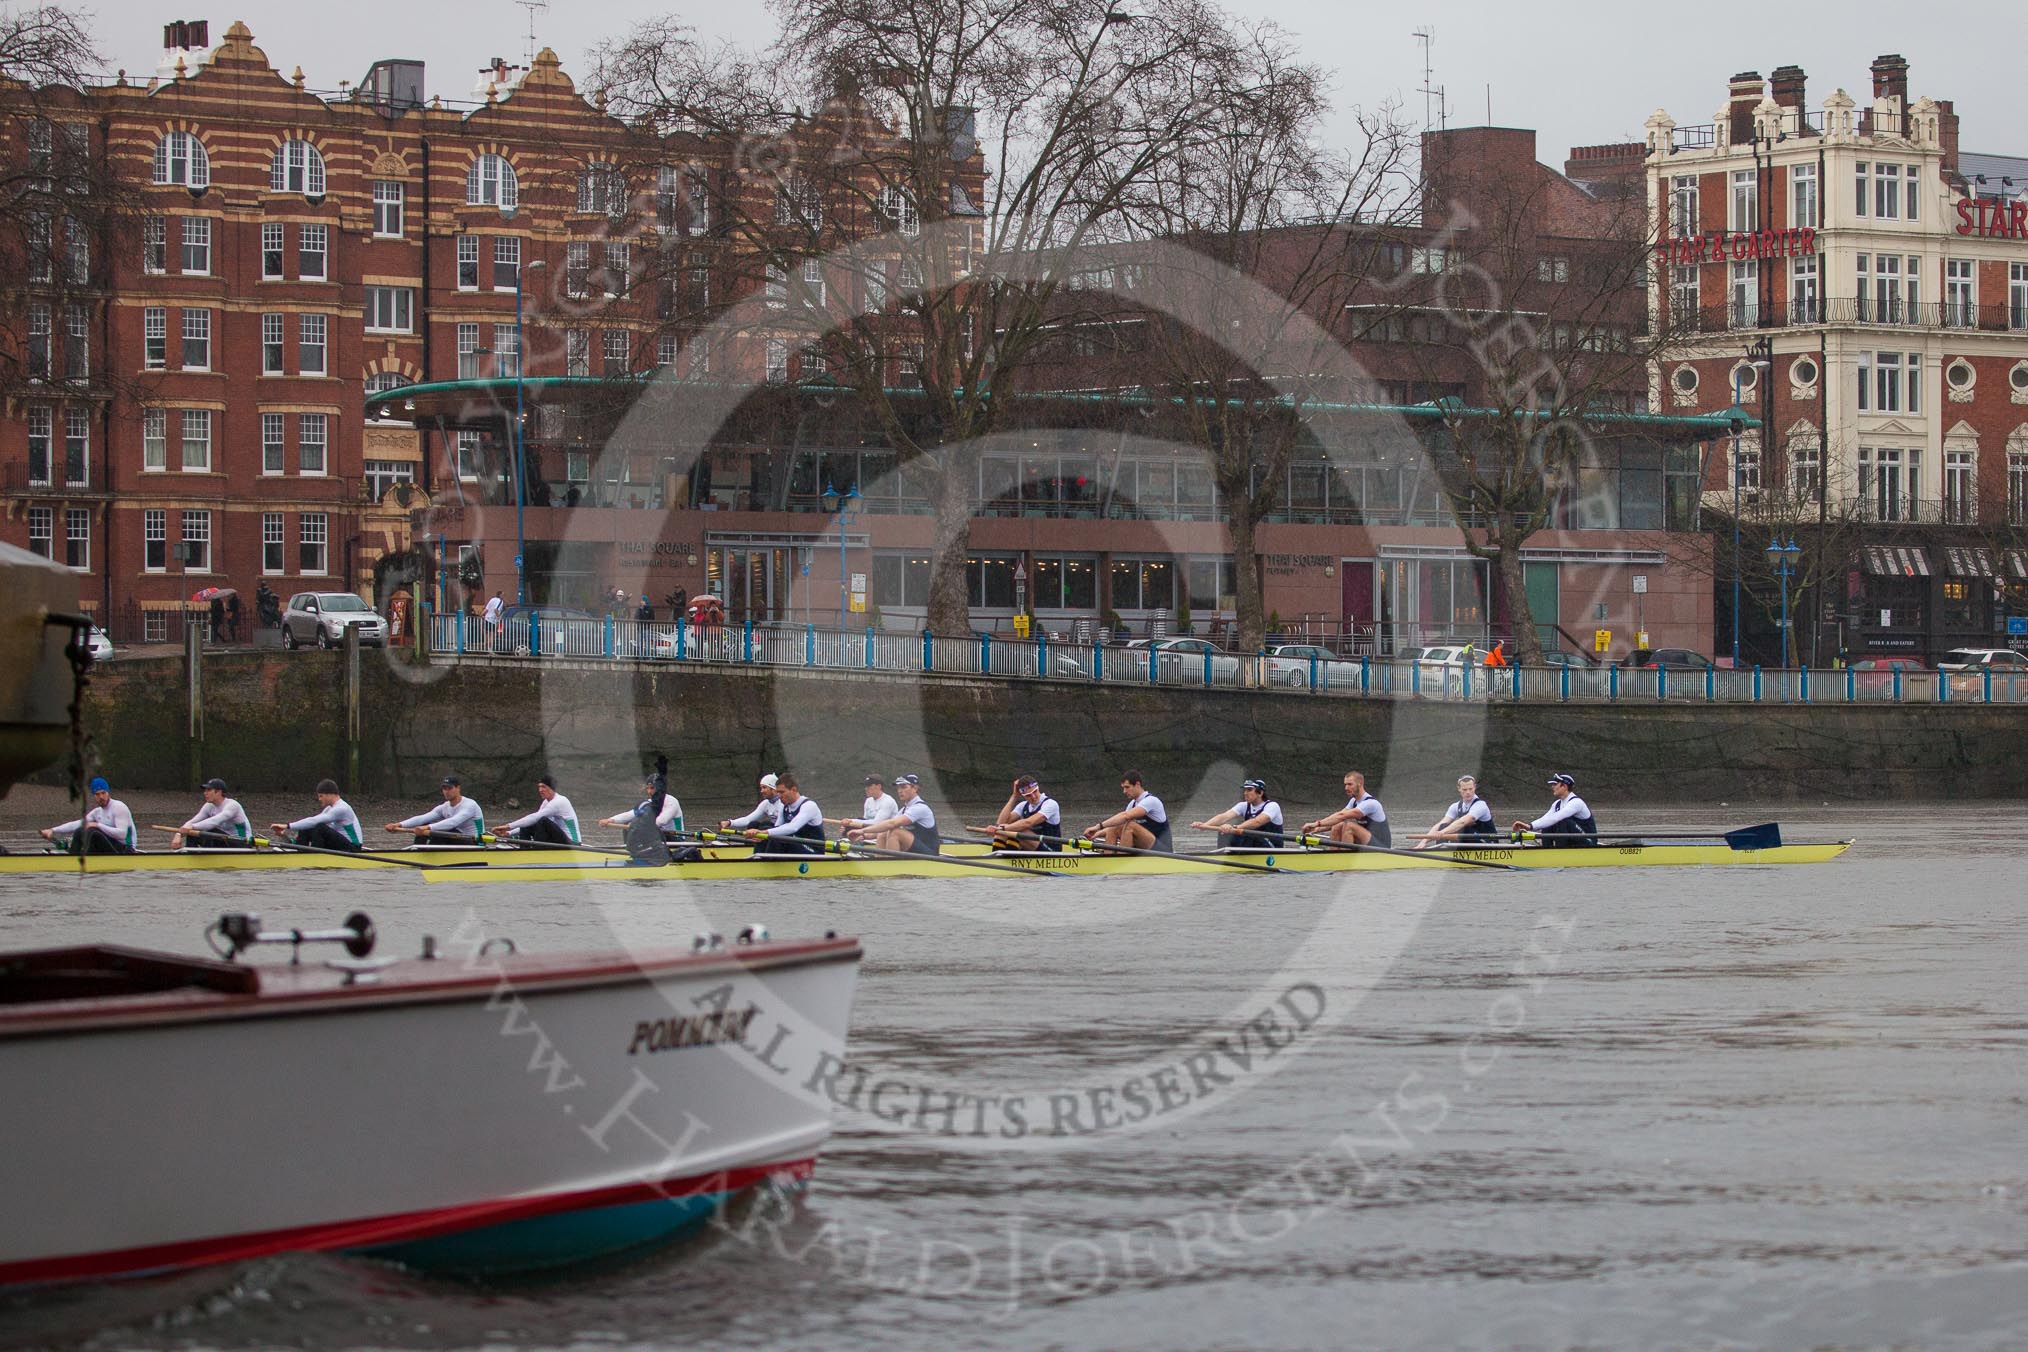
<point>842,503</point>
<point>1759,357</point>
<point>520,468</point>
<point>1780,557</point>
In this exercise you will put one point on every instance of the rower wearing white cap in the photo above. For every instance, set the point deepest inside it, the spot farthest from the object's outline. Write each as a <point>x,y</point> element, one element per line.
<point>457,820</point>
<point>1362,821</point>
<point>1468,819</point>
<point>1568,816</point>
<point>1255,820</point>
<point>766,813</point>
<point>912,828</point>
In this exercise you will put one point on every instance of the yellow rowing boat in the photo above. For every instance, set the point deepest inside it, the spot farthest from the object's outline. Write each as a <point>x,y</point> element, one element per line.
<point>954,863</point>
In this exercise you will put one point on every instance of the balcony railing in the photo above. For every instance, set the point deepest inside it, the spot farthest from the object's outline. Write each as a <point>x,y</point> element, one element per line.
<point>22,479</point>
<point>1793,312</point>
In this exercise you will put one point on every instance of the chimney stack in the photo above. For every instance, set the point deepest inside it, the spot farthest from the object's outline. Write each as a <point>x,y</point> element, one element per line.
<point>1746,93</point>
<point>1890,78</point>
<point>1947,134</point>
<point>1786,87</point>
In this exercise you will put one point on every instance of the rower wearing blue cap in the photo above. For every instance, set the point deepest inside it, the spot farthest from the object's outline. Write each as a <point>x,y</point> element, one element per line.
<point>1568,816</point>
<point>106,828</point>
<point>1255,820</point>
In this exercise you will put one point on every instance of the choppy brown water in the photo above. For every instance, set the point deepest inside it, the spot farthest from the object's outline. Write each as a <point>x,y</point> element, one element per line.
<point>1753,1108</point>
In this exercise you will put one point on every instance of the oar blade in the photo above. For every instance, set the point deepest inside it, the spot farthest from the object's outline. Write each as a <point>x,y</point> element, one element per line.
<point>1766,836</point>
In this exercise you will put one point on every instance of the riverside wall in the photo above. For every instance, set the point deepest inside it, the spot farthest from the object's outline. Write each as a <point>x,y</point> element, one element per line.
<point>275,722</point>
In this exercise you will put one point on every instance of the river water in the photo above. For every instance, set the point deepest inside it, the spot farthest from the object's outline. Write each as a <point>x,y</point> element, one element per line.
<point>1598,1108</point>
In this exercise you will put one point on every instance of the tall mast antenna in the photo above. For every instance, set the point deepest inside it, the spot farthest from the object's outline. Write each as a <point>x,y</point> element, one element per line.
<point>1426,35</point>
<point>533,7</point>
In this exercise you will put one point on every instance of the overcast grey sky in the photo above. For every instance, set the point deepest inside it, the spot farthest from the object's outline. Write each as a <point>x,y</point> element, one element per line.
<point>1579,72</point>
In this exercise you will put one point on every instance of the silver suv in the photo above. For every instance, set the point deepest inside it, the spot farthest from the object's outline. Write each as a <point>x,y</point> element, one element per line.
<point>323,617</point>
<point>1971,659</point>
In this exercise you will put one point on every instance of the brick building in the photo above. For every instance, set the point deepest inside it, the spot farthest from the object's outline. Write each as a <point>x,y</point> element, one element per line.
<point>1886,270</point>
<point>299,251</point>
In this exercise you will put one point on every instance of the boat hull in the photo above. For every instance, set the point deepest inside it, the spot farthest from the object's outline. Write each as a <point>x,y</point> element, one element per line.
<point>177,861</point>
<point>1082,863</point>
<point>470,1115</point>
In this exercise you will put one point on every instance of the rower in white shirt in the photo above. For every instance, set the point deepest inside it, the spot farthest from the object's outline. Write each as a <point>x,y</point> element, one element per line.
<point>1033,819</point>
<point>1468,820</point>
<point>801,828</point>
<point>457,820</point>
<point>1254,822</point>
<point>879,802</point>
<point>107,827</point>
<point>766,813</point>
<point>1143,824</point>
<point>1362,821</point>
<point>911,828</point>
<point>336,827</point>
<point>220,824</point>
<point>554,821</point>
<point>1568,821</point>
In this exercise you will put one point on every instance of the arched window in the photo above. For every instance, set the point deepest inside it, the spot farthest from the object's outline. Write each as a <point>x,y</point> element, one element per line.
<point>899,208</point>
<point>180,159</point>
<point>297,168</point>
<point>490,182</point>
<point>602,188</point>
<point>797,202</point>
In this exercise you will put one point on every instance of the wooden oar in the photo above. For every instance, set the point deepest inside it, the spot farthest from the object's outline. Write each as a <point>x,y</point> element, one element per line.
<point>1427,856</point>
<point>289,846</point>
<point>1081,843</point>
<point>1766,836</point>
<point>508,844</point>
<point>848,848</point>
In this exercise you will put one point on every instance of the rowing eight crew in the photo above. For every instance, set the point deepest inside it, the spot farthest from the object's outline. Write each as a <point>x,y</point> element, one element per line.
<point>787,821</point>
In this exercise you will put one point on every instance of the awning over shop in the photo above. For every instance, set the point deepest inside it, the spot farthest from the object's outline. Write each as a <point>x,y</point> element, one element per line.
<point>1896,561</point>
<point>1970,561</point>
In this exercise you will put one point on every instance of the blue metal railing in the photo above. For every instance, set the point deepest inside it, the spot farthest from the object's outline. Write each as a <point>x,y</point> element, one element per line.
<point>1000,657</point>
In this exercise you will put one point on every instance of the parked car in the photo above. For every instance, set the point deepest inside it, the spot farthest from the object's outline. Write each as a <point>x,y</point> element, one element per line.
<point>1181,660</point>
<point>1557,657</point>
<point>1877,673</point>
<point>1289,663</point>
<point>561,630</point>
<point>2001,660</point>
<point>1650,658</point>
<point>323,617</point>
<point>100,646</point>
<point>1443,667</point>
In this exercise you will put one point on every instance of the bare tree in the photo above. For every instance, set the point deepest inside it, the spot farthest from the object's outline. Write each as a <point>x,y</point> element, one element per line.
<point>62,204</point>
<point>962,158</point>
<point>1529,298</point>
<point>1259,197</point>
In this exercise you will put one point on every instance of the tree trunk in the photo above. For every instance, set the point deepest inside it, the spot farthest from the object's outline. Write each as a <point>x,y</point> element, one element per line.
<point>1527,644</point>
<point>1248,604</point>
<point>950,597</point>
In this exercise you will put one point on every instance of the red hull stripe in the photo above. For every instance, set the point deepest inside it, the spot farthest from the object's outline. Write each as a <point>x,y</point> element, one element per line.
<point>372,1231</point>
